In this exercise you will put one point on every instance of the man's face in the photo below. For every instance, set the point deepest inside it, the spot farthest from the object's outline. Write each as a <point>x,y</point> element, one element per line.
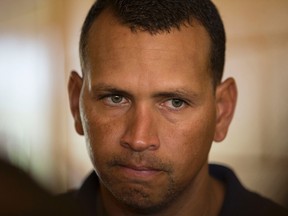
<point>148,111</point>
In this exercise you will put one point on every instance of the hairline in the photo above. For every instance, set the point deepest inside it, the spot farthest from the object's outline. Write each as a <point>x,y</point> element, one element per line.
<point>83,48</point>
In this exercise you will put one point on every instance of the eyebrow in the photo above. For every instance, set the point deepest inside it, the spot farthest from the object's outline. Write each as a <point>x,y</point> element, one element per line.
<point>177,93</point>
<point>101,87</point>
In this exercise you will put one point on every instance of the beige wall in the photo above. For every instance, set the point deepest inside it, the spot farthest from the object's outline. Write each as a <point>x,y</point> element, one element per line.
<point>43,141</point>
<point>257,54</point>
<point>38,48</point>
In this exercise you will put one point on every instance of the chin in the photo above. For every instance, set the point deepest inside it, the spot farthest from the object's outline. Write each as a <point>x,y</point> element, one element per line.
<point>140,201</point>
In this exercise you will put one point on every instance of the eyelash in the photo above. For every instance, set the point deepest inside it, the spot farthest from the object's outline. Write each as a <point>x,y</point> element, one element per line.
<point>107,96</point>
<point>103,96</point>
<point>185,102</point>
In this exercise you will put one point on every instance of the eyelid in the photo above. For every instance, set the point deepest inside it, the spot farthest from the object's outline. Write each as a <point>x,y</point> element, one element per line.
<point>102,94</point>
<point>107,95</point>
<point>107,89</point>
<point>189,98</point>
<point>185,100</point>
<point>107,100</point>
<point>171,108</point>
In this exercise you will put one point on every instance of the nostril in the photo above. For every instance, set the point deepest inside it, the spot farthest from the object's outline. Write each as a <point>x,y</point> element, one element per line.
<point>138,145</point>
<point>134,145</point>
<point>124,144</point>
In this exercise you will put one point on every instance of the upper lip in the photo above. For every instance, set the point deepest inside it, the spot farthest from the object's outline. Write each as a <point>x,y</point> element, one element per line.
<point>140,167</point>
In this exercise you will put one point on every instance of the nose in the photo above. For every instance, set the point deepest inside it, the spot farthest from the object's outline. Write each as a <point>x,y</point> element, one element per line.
<point>141,130</point>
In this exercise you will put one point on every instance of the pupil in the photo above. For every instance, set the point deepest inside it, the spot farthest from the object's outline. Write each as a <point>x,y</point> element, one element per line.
<point>116,99</point>
<point>177,103</point>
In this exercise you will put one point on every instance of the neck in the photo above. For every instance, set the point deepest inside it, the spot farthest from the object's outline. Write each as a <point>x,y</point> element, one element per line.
<point>203,197</point>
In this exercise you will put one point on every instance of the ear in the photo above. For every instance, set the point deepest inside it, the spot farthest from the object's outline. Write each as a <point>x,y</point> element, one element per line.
<point>226,97</point>
<point>74,90</point>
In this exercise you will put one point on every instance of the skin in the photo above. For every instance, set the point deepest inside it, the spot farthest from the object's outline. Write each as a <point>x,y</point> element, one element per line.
<point>149,113</point>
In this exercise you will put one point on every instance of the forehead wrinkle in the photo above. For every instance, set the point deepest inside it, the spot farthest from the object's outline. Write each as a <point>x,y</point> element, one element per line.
<point>141,54</point>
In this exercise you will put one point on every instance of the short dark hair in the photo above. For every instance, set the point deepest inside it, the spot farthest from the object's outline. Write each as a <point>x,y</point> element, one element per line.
<point>156,16</point>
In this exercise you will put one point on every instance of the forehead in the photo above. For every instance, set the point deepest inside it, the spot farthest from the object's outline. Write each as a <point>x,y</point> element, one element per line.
<point>114,52</point>
<point>191,40</point>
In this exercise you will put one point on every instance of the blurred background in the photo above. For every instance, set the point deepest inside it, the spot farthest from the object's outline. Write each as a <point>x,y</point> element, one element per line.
<point>39,48</point>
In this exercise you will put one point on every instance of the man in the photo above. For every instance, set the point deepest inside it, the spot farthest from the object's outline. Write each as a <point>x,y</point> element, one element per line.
<point>150,103</point>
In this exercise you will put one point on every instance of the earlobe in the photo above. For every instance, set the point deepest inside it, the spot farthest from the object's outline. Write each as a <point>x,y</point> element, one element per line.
<point>226,98</point>
<point>74,90</point>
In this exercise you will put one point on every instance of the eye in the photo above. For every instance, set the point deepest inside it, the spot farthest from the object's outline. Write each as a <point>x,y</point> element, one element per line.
<point>177,103</point>
<point>174,104</point>
<point>114,100</point>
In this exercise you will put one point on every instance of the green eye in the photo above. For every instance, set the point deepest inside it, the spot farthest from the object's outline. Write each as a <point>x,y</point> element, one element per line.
<point>116,99</point>
<point>177,103</point>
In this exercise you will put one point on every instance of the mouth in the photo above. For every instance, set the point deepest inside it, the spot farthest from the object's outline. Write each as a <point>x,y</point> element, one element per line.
<point>138,172</point>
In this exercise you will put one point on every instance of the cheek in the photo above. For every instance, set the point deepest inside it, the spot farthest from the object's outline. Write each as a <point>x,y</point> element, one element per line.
<point>102,136</point>
<point>188,143</point>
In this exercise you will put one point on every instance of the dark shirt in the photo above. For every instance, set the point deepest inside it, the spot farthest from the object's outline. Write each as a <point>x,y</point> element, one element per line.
<point>238,200</point>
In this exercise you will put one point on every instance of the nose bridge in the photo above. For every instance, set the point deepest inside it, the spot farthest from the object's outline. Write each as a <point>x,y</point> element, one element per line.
<point>141,130</point>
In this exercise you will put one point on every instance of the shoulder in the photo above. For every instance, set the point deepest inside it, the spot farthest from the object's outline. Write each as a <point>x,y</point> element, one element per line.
<point>83,201</point>
<point>240,201</point>
<point>65,204</point>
